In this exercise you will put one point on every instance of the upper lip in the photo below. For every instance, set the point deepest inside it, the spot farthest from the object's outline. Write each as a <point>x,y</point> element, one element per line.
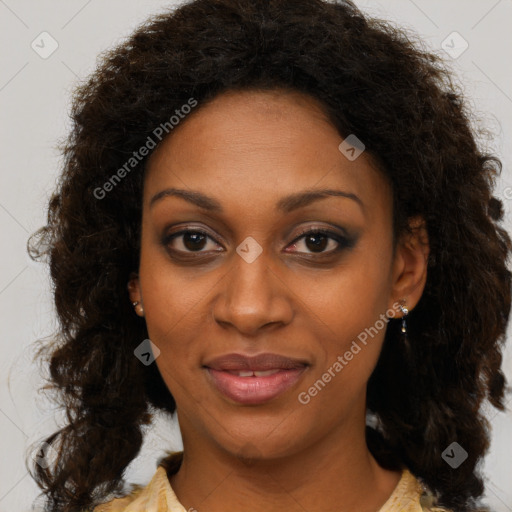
<point>260,362</point>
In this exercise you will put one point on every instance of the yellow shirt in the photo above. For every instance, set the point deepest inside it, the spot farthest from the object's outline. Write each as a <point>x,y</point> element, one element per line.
<point>157,496</point>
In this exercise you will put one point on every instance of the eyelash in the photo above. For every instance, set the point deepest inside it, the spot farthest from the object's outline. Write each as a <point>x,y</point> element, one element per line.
<point>343,242</point>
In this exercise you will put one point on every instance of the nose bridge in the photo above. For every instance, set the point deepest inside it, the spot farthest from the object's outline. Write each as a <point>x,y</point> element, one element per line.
<point>252,268</point>
<point>252,296</point>
<point>249,285</point>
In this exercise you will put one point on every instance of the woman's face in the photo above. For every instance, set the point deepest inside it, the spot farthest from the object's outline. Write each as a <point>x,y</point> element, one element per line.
<point>244,280</point>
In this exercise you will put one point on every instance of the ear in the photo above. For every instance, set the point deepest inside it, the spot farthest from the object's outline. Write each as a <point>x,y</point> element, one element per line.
<point>135,293</point>
<point>410,265</point>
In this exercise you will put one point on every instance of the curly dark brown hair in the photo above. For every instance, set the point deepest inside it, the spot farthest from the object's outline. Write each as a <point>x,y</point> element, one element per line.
<point>374,80</point>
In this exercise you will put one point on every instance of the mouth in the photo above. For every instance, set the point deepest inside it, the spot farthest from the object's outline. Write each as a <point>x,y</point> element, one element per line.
<point>254,380</point>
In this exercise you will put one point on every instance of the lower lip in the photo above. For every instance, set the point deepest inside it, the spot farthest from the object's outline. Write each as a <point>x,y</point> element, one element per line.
<point>254,390</point>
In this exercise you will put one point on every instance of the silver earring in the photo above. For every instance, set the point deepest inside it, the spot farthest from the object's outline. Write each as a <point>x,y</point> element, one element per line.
<point>409,355</point>
<point>405,312</point>
<point>135,303</point>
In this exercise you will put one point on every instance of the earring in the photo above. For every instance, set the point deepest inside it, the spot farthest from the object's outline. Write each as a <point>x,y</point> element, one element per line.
<point>141,310</point>
<point>408,352</point>
<point>405,312</point>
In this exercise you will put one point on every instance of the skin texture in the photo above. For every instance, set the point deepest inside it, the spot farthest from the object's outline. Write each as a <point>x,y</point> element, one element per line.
<point>373,79</point>
<point>248,150</point>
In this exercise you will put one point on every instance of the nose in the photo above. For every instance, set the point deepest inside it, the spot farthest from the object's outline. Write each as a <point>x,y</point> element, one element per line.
<point>253,296</point>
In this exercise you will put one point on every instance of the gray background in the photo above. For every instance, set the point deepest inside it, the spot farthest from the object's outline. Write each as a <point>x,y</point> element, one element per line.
<point>34,102</point>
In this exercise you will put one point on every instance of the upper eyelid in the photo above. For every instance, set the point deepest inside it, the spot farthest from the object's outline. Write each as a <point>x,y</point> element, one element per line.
<point>315,229</point>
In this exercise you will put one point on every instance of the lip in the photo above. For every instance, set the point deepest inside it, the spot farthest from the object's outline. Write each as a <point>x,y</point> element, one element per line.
<point>260,362</point>
<point>255,389</point>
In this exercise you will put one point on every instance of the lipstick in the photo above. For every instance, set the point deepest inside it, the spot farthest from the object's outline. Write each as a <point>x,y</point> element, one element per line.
<point>254,379</point>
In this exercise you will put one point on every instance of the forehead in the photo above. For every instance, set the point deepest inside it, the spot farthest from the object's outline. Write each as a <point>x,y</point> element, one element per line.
<point>254,147</point>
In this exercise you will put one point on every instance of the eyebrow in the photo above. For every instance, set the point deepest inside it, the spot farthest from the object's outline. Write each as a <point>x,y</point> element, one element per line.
<point>286,204</point>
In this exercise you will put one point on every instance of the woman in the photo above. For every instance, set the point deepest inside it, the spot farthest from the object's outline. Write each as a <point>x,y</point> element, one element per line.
<point>274,220</point>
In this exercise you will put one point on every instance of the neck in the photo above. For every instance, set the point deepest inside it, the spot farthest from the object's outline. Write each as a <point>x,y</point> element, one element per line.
<point>335,474</point>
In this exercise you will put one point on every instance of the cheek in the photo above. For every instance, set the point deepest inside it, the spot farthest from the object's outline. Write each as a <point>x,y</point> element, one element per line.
<point>351,310</point>
<point>171,296</point>
<point>352,297</point>
<point>173,315</point>
<point>338,383</point>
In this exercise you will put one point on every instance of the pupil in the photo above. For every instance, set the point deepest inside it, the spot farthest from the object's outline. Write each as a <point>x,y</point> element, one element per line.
<point>190,240</point>
<point>316,245</point>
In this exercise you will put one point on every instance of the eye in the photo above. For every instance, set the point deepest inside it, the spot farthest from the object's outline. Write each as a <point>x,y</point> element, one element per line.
<point>189,241</point>
<point>317,240</point>
<point>311,241</point>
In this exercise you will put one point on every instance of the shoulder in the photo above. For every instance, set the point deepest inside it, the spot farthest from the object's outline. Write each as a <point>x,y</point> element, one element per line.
<point>156,496</point>
<point>411,495</point>
<point>120,504</point>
